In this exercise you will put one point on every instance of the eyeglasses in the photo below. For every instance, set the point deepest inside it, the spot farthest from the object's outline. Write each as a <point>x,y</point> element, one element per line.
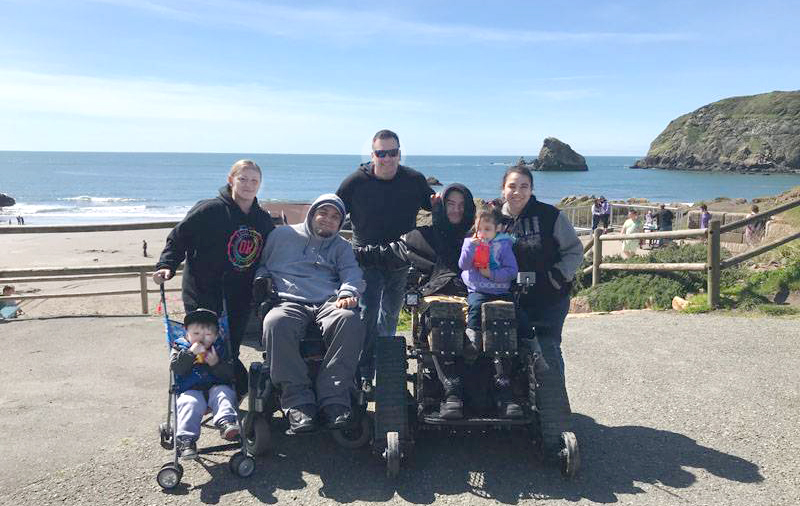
<point>383,153</point>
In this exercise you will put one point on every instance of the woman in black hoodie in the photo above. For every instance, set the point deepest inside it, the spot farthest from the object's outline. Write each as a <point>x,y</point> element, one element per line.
<point>221,240</point>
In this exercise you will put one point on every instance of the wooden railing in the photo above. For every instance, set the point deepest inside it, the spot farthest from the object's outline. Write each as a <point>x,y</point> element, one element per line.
<point>712,266</point>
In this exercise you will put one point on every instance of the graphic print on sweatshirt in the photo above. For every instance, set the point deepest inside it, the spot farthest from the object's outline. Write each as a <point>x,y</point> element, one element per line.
<point>244,248</point>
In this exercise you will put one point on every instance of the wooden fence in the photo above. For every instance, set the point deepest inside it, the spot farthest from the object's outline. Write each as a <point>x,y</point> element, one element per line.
<point>712,266</point>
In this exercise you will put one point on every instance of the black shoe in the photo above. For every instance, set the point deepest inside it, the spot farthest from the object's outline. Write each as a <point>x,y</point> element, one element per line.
<point>337,416</point>
<point>506,407</point>
<point>451,408</point>
<point>301,418</point>
<point>187,447</point>
<point>366,386</point>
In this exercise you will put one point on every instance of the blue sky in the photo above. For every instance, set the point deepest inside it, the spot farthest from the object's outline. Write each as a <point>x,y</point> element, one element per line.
<point>460,77</point>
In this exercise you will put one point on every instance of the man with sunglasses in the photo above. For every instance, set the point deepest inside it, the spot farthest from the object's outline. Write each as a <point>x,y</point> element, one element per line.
<point>382,198</point>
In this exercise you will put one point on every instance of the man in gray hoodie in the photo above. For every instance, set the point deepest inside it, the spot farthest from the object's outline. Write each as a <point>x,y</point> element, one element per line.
<point>318,282</point>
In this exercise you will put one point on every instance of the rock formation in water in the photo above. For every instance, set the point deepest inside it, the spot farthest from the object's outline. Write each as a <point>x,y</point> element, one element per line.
<point>6,200</point>
<point>558,156</point>
<point>758,133</point>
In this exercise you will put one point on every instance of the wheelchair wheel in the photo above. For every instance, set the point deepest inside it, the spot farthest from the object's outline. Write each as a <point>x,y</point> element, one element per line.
<point>169,476</point>
<point>569,456</point>
<point>355,437</point>
<point>392,454</point>
<point>165,434</point>
<point>257,433</point>
<point>241,465</point>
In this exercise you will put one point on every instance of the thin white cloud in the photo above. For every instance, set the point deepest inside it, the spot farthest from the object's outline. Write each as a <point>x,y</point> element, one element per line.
<point>164,100</point>
<point>354,25</point>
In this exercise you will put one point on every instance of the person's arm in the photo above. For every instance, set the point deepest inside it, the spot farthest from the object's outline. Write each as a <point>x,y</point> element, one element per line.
<point>467,254</point>
<point>181,361</point>
<point>391,256</point>
<point>569,246</point>
<point>350,274</point>
<point>508,264</point>
<point>425,194</point>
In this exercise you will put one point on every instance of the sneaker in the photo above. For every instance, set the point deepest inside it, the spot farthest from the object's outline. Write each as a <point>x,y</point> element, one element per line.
<point>228,429</point>
<point>506,407</point>
<point>301,418</point>
<point>451,408</point>
<point>187,447</point>
<point>337,416</point>
<point>366,386</point>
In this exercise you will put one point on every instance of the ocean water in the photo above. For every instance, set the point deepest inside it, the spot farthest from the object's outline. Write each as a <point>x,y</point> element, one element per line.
<point>75,188</point>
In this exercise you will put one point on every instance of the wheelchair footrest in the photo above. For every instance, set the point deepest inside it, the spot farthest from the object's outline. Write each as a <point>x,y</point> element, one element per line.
<point>391,392</point>
<point>446,322</point>
<point>499,327</point>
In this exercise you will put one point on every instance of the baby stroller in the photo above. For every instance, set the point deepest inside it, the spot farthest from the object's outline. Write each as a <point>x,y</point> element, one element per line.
<point>170,474</point>
<point>438,334</point>
<point>264,397</point>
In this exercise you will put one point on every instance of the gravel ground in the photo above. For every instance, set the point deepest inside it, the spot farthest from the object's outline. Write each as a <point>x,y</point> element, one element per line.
<point>669,409</point>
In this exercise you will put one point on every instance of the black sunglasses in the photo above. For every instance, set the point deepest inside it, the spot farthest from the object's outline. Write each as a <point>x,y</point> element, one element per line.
<point>383,153</point>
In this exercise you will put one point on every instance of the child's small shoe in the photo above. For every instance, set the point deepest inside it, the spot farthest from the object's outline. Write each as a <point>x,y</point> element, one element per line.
<point>228,429</point>
<point>187,447</point>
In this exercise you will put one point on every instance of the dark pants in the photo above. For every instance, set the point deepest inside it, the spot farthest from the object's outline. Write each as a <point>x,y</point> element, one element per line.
<point>548,321</point>
<point>475,300</point>
<point>380,307</point>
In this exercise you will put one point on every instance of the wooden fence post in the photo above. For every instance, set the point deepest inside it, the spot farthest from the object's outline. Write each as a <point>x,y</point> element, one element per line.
<point>713,264</point>
<point>143,287</point>
<point>597,256</point>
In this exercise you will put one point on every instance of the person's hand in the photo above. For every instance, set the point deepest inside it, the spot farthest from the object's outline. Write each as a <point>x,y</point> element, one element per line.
<point>486,272</point>
<point>162,275</point>
<point>346,303</point>
<point>197,348</point>
<point>212,358</point>
<point>475,239</point>
<point>434,198</point>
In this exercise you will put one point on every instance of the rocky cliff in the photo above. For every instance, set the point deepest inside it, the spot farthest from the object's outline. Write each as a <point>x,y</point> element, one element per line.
<point>556,155</point>
<point>758,133</point>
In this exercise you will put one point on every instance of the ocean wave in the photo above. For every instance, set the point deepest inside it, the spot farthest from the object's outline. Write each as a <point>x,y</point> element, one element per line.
<point>87,198</point>
<point>94,212</point>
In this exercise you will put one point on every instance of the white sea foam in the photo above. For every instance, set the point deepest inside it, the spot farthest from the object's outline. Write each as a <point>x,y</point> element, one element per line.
<point>87,198</point>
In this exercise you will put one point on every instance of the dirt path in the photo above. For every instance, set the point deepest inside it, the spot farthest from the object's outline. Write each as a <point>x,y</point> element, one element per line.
<point>669,409</point>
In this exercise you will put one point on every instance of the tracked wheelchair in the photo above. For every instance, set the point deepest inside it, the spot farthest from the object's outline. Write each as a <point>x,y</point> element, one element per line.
<point>263,397</point>
<point>438,335</point>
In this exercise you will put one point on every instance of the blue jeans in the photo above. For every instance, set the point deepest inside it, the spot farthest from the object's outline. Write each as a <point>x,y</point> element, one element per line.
<point>548,321</point>
<point>380,308</point>
<point>474,301</point>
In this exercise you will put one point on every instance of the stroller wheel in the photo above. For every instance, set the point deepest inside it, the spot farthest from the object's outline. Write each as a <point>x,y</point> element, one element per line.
<point>569,457</point>
<point>355,437</point>
<point>169,476</point>
<point>392,454</point>
<point>165,434</point>
<point>242,465</point>
<point>257,432</point>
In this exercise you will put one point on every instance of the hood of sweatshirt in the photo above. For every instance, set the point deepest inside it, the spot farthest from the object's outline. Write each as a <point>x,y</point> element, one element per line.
<point>327,199</point>
<point>439,214</point>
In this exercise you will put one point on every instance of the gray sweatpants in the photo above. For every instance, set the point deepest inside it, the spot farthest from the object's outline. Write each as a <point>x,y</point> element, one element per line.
<point>192,405</point>
<point>343,333</point>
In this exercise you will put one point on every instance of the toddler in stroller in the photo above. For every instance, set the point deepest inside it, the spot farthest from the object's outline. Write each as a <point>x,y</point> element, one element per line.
<point>201,378</point>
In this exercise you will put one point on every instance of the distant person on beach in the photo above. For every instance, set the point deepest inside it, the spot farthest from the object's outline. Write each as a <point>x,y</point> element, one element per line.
<point>204,375</point>
<point>221,240</point>
<point>605,213</point>
<point>382,198</point>
<point>632,225</point>
<point>754,232</point>
<point>597,212</point>
<point>546,244</point>
<point>705,216</point>
<point>665,217</point>
<point>144,248</point>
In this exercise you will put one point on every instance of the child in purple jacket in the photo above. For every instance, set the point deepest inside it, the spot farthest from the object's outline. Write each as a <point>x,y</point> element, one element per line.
<point>491,278</point>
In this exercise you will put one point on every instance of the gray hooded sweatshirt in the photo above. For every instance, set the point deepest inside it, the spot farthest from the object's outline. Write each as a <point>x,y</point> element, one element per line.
<point>310,269</point>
